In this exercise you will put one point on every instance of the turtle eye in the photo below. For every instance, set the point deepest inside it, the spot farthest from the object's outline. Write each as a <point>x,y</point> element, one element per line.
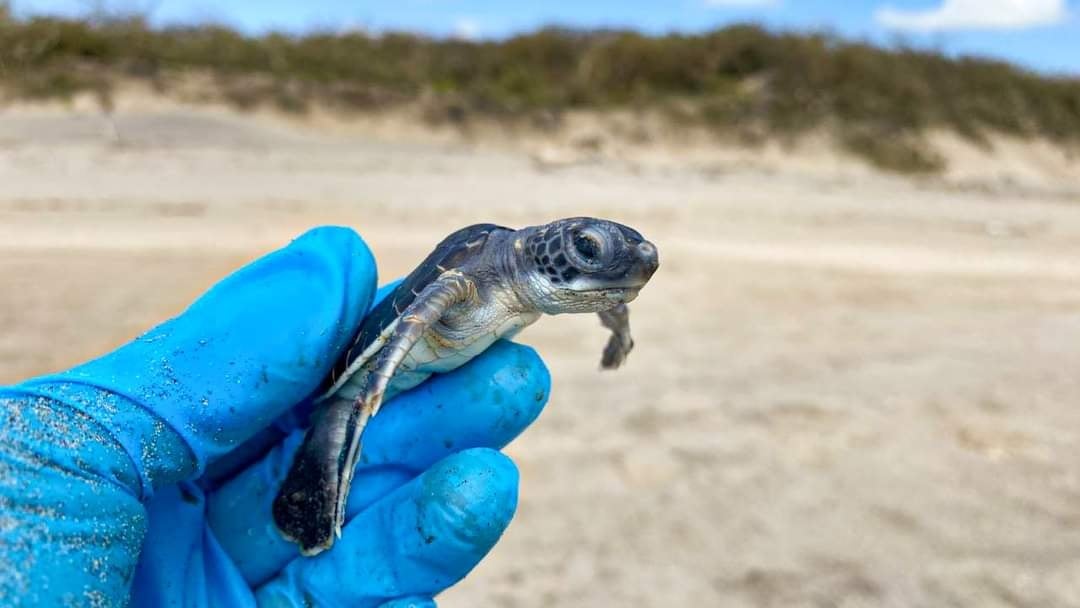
<point>588,250</point>
<point>588,246</point>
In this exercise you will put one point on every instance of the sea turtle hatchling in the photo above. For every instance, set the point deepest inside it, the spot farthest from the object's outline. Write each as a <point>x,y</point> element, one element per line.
<point>481,283</point>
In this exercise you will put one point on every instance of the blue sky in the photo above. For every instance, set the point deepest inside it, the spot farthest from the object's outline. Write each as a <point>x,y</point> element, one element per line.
<point>1041,34</point>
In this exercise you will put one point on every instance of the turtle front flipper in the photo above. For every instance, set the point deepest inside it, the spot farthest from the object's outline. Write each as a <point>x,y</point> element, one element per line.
<point>620,343</point>
<point>310,506</point>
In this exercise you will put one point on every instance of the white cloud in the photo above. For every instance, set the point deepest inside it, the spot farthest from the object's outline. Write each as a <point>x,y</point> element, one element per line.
<point>740,3</point>
<point>975,14</point>
<point>467,28</point>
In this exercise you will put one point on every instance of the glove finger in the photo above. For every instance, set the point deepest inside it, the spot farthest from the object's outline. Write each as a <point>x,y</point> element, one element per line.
<point>485,403</point>
<point>410,602</point>
<point>180,565</point>
<point>257,446</point>
<point>256,344</point>
<point>297,417</point>
<point>419,540</point>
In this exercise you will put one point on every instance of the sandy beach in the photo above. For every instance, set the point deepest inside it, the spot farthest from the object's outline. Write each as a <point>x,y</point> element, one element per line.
<point>849,389</point>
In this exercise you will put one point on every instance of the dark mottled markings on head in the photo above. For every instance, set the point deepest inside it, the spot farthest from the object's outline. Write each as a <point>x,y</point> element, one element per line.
<point>535,244</point>
<point>547,253</point>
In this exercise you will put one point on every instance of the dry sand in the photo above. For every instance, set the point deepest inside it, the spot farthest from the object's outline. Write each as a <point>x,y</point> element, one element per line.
<point>849,389</point>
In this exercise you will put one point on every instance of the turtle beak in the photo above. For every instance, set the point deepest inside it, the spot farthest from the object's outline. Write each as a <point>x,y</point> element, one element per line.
<point>646,262</point>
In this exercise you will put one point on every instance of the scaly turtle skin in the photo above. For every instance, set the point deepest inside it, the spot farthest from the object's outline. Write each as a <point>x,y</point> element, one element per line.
<point>482,283</point>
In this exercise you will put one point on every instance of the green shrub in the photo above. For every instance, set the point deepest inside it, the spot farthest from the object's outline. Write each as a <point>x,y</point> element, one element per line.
<point>741,80</point>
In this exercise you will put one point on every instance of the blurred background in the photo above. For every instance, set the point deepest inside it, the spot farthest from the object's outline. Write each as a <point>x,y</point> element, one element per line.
<point>858,370</point>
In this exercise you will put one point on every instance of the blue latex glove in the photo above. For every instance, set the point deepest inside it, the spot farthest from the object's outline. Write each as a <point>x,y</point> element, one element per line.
<point>150,472</point>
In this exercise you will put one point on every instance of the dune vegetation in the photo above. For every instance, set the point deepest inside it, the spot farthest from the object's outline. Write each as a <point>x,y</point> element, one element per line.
<point>741,81</point>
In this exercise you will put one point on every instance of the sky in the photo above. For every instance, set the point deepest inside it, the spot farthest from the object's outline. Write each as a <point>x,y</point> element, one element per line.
<point>1040,34</point>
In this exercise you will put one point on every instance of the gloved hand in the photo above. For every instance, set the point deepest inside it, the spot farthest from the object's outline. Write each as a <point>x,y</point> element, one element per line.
<point>152,470</point>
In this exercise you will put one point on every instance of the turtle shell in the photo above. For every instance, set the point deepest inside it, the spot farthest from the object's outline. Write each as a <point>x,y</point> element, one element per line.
<point>449,254</point>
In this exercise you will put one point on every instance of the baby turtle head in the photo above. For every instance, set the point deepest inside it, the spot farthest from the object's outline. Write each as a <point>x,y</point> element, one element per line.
<point>584,264</point>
